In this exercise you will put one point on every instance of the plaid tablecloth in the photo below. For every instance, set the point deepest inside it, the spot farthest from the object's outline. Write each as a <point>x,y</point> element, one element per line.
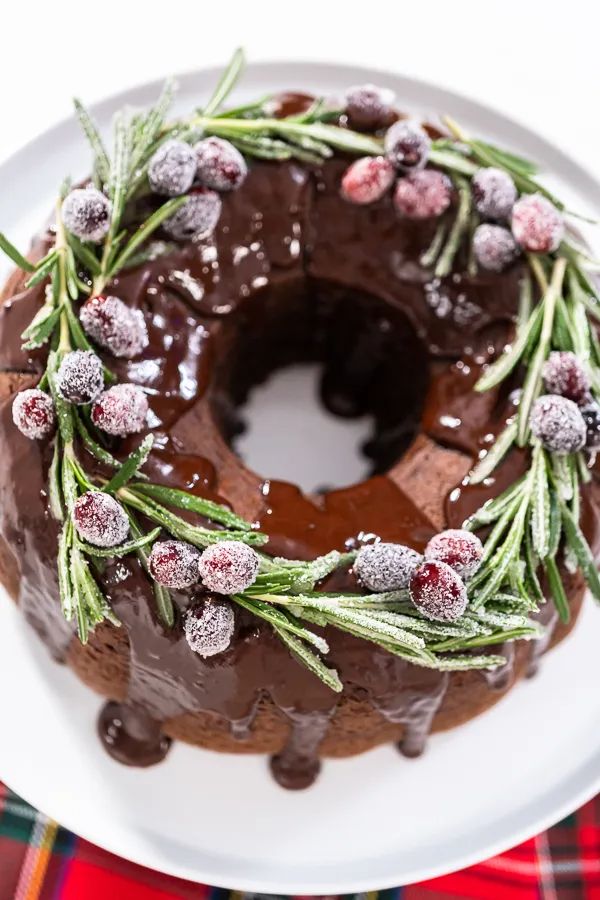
<point>39,860</point>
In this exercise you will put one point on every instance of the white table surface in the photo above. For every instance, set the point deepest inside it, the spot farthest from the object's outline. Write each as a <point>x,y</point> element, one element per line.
<point>538,60</point>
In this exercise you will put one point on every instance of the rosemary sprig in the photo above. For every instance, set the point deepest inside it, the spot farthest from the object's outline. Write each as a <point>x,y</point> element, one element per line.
<point>17,257</point>
<point>538,514</point>
<point>226,83</point>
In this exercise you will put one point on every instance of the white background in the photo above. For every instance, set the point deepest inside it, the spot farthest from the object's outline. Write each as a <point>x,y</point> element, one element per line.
<point>538,60</point>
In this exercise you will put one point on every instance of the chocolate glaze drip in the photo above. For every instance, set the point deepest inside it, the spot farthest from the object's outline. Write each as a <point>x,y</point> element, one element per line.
<point>131,736</point>
<point>293,273</point>
<point>414,707</point>
<point>297,766</point>
<point>499,679</point>
<point>548,617</point>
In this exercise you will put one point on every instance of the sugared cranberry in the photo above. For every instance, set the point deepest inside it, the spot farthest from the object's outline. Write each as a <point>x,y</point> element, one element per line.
<point>80,377</point>
<point>564,374</point>
<point>174,564</point>
<point>209,626</point>
<point>591,417</point>
<point>33,413</point>
<point>86,214</point>
<point>423,195</point>
<point>121,410</point>
<point>228,567</point>
<point>537,224</point>
<point>459,549</point>
<point>219,165</point>
<point>407,146</point>
<point>367,179</point>
<point>558,423</point>
<point>494,193</point>
<point>197,217</point>
<point>438,592</point>
<point>494,247</point>
<point>386,567</point>
<point>172,168</point>
<point>368,106</point>
<point>115,326</point>
<point>100,520</point>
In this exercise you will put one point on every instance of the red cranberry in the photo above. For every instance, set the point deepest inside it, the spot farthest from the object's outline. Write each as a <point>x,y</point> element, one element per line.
<point>438,592</point>
<point>537,224</point>
<point>209,626</point>
<point>115,326</point>
<point>423,195</point>
<point>121,410</point>
<point>172,168</point>
<point>591,417</point>
<point>228,567</point>
<point>459,549</point>
<point>386,567</point>
<point>563,374</point>
<point>100,520</point>
<point>219,165</point>
<point>494,247</point>
<point>197,217</point>
<point>80,377</point>
<point>368,107</point>
<point>407,146</point>
<point>174,564</point>
<point>33,413</point>
<point>367,179</point>
<point>558,423</point>
<point>86,214</point>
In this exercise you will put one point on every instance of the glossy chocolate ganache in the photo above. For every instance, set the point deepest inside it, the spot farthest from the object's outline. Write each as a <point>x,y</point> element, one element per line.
<point>292,274</point>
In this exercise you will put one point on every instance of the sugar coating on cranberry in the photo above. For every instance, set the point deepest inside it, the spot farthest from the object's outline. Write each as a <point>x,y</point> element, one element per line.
<point>386,567</point>
<point>459,549</point>
<point>367,179</point>
<point>368,106</point>
<point>33,413</point>
<point>438,591</point>
<point>172,168</point>
<point>219,165</point>
<point>121,410</point>
<point>209,627</point>
<point>558,423</point>
<point>407,146</point>
<point>100,519</point>
<point>197,217</point>
<point>564,374</point>
<point>80,377</point>
<point>537,224</point>
<point>494,247</point>
<point>115,326</point>
<point>423,195</point>
<point>591,417</point>
<point>494,193</point>
<point>228,567</point>
<point>174,564</point>
<point>86,214</point>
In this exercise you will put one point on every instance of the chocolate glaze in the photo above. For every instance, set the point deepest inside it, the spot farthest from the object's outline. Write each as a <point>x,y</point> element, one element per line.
<point>293,273</point>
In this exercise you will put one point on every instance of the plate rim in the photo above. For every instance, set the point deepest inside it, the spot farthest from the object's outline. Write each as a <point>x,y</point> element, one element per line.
<point>272,69</point>
<point>328,887</point>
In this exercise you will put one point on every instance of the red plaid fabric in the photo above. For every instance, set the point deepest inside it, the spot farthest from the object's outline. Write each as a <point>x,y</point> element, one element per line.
<point>41,861</point>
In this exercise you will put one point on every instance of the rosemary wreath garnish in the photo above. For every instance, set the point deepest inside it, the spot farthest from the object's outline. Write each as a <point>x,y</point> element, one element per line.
<point>530,522</point>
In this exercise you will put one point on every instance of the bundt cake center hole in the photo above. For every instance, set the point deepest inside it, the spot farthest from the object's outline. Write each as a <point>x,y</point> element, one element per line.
<point>319,384</point>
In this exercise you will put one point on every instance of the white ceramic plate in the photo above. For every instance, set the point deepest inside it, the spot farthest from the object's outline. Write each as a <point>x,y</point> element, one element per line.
<point>374,821</point>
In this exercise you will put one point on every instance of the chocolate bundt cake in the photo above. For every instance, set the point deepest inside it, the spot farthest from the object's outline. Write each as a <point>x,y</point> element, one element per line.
<point>404,290</point>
